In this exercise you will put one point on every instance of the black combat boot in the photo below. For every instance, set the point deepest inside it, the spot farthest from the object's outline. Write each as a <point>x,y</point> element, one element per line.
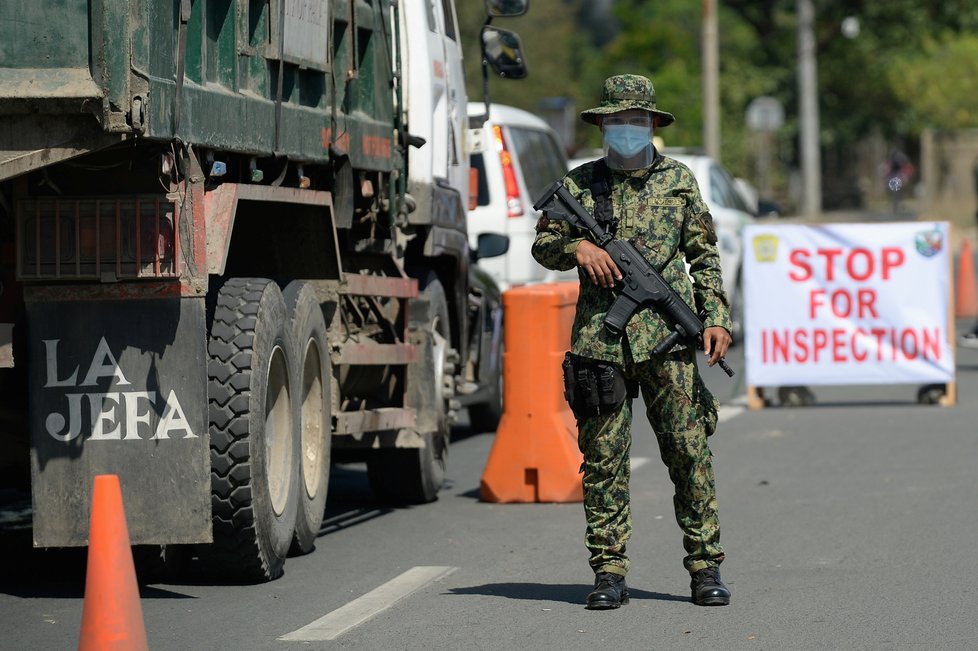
<point>609,591</point>
<point>708,589</point>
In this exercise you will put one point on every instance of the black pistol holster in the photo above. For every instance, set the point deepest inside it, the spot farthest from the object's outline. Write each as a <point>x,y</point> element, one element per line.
<point>593,387</point>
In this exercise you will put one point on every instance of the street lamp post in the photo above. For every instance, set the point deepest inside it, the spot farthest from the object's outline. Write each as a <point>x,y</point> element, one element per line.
<point>811,204</point>
<point>764,116</point>
<point>711,80</point>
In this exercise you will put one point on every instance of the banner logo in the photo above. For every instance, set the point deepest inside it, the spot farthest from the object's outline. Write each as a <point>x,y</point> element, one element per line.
<point>929,243</point>
<point>765,248</point>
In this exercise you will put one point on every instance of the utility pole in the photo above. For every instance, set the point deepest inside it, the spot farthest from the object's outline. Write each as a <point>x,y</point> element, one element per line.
<point>711,80</point>
<point>811,160</point>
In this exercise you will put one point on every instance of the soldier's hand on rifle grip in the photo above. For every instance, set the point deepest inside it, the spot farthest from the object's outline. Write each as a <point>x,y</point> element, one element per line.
<point>598,264</point>
<point>716,341</point>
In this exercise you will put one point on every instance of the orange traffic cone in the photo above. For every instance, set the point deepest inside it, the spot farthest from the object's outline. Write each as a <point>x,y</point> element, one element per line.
<point>111,618</point>
<point>966,299</point>
<point>535,457</point>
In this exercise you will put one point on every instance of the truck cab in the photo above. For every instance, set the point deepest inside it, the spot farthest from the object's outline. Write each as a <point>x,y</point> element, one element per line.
<point>434,96</point>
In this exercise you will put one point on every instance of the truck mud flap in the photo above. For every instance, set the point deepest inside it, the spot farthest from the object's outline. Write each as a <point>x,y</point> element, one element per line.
<point>120,387</point>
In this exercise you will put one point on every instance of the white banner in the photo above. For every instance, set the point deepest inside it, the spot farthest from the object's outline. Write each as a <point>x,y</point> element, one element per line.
<point>847,304</point>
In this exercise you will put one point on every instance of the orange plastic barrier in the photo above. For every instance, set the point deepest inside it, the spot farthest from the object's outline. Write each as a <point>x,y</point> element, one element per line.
<point>112,618</point>
<point>966,299</point>
<point>535,457</point>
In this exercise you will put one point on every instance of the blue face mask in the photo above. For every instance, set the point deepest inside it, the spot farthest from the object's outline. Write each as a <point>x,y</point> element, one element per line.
<point>626,139</point>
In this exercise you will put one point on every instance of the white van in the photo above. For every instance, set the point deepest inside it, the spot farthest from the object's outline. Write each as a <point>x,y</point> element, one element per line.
<point>515,156</point>
<point>434,101</point>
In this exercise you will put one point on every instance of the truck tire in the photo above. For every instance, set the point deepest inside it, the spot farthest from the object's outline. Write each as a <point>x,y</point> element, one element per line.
<point>415,475</point>
<point>313,381</point>
<point>253,429</point>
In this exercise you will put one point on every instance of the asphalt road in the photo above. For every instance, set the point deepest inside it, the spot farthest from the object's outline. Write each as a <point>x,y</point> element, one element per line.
<point>848,525</point>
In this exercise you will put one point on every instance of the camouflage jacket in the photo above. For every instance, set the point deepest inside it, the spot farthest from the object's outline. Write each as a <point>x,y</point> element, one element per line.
<point>658,208</point>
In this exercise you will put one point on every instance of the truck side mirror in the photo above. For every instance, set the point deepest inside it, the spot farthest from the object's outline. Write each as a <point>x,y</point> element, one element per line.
<point>491,245</point>
<point>502,50</point>
<point>507,8</point>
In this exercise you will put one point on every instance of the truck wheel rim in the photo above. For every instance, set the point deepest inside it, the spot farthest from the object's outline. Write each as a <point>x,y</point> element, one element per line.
<point>313,402</point>
<point>440,353</point>
<point>278,431</point>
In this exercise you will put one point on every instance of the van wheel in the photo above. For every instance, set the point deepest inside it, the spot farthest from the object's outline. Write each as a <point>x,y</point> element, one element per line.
<point>485,416</point>
<point>415,475</point>
<point>796,396</point>
<point>737,314</point>
<point>931,394</point>
<point>254,445</point>
<point>313,382</point>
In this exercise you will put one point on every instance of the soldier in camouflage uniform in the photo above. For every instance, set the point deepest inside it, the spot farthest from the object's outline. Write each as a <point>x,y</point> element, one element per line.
<point>655,203</point>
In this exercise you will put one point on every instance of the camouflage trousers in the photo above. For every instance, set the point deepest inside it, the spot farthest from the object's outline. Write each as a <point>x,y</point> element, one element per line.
<point>683,413</point>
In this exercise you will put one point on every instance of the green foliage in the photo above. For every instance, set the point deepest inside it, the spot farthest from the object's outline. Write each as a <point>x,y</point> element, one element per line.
<point>665,45</point>
<point>860,77</point>
<point>666,51</point>
<point>555,49</point>
<point>913,64</point>
<point>938,83</point>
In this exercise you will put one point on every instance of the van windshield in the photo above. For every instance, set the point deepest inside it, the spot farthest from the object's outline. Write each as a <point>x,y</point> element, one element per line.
<point>540,159</point>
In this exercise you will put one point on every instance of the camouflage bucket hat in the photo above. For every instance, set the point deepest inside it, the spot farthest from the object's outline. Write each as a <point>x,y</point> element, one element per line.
<point>623,92</point>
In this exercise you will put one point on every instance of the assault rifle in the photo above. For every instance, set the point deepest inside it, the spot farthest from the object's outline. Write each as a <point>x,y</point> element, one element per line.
<point>641,286</point>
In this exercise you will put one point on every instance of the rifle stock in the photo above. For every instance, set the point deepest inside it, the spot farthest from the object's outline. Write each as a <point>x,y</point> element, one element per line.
<point>641,286</point>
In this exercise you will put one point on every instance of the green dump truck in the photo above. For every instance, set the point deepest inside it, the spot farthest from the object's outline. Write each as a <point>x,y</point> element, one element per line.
<point>232,245</point>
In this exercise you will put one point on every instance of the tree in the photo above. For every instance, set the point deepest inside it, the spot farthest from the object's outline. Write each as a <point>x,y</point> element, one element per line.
<point>555,50</point>
<point>662,41</point>
<point>912,65</point>
<point>938,83</point>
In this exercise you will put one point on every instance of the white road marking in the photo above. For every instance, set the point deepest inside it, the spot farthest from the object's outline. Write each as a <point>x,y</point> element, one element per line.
<point>733,408</point>
<point>358,611</point>
<point>729,411</point>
